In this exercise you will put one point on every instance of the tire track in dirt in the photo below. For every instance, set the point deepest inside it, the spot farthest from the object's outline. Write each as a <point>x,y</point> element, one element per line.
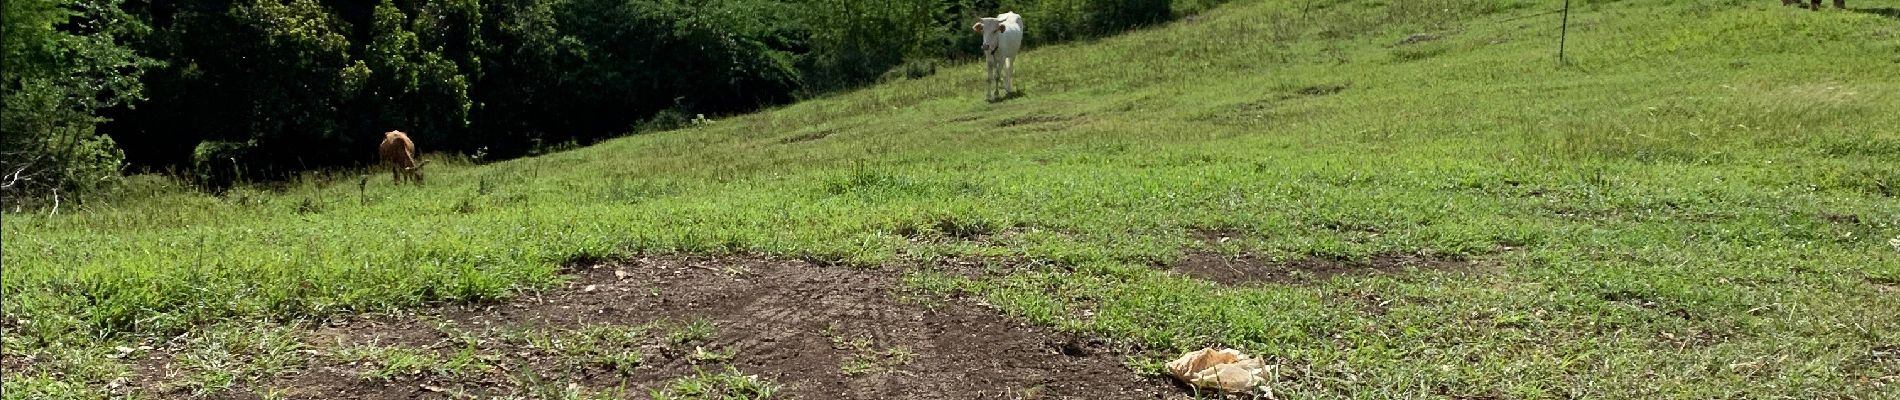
<point>793,322</point>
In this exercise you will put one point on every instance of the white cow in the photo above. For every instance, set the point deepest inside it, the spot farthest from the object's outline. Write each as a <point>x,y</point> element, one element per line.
<point>1002,37</point>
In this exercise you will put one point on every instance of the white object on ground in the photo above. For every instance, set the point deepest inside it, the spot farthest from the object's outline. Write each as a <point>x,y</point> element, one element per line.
<point>1227,370</point>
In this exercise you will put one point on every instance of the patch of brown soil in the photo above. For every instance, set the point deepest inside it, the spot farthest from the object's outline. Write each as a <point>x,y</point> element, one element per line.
<point>1250,269</point>
<point>1323,90</point>
<point>337,382</point>
<point>14,365</point>
<point>1215,236</point>
<point>806,137</point>
<point>792,322</point>
<point>11,363</point>
<point>1245,268</point>
<point>1641,301</point>
<point>1889,353</point>
<point>1369,303</point>
<point>408,330</point>
<point>1884,285</point>
<point>1693,338</point>
<point>1841,219</point>
<point>978,267</point>
<point>1030,119</point>
<point>1418,38</point>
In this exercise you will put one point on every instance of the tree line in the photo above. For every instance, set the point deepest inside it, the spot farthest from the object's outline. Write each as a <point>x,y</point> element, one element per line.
<point>220,91</point>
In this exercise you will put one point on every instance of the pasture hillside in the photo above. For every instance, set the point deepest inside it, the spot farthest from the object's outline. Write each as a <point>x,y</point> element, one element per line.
<point>1387,199</point>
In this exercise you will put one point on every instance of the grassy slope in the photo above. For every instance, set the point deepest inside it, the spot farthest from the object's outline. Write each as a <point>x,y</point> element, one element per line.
<point>1698,207</point>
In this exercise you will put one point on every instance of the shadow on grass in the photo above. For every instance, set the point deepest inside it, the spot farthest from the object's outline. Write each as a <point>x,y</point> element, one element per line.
<point>1006,97</point>
<point>1889,12</point>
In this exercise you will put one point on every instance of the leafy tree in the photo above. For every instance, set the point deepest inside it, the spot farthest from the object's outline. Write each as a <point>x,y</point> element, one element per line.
<point>853,41</point>
<point>261,81</point>
<point>413,86</point>
<point>1063,20</point>
<point>526,69</point>
<point>259,89</point>
<point>65,61</point>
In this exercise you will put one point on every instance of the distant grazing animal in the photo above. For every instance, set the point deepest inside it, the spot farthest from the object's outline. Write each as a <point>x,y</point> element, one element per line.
<point>1002,38</point>
<point>1814,4</point>
<point>400,153</point>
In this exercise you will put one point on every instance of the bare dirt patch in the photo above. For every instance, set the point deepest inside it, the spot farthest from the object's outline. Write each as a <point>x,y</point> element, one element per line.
<point>1889,353</point>
<point>1031,119</point>
<point>15,364</point>
<point>1884,285</point>
<point>1841,219</point>
<point>1268,108</point>
<point>1418,38</point>
<point>1323,89</point>
<point>820,332</point>
<point>980,267</point>
<point>1247,269</point>
<point>809,136</point>
<point>1215,236</point>
<point>1649,303</point>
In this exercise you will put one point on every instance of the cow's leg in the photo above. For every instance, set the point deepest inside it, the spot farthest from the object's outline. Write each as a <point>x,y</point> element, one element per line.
<point>1009,76</point>
<point>395,174</point>
<point>1840,4</point>
<point>1785,3</point>
<point>989,80</point>
<point>996,80</point>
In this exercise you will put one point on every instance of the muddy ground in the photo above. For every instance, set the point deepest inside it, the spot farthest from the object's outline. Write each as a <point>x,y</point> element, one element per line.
<point>632,327</point>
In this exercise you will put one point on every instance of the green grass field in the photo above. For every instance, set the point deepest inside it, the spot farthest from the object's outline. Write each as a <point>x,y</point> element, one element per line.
<point>1701,204</point>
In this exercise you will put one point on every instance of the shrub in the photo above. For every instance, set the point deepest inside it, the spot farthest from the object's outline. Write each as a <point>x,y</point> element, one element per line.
<point>65,62</point>
<point>218,165</point>
<point>305,84</point>
<point>1061,20</point>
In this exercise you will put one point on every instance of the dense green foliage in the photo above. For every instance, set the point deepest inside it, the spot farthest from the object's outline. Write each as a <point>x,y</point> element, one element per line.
<point>262,89</point>
<point>65,62</point>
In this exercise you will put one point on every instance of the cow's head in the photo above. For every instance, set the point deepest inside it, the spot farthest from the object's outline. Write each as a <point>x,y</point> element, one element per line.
<point>416,171</point>
<point>989,27</point>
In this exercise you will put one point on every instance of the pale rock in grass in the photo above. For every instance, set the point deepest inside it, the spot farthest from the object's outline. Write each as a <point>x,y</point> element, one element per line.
<point>1227,370</point>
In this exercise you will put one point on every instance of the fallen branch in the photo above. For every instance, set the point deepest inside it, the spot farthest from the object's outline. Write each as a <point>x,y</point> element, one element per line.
<point>14,178</point>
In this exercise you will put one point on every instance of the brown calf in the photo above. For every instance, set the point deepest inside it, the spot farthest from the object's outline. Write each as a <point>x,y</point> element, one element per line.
<point>1814,4</point>
<point>400,153</point>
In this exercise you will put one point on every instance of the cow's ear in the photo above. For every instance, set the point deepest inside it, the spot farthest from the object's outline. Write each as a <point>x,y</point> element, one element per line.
<point>978,27</point>
<point>1000,28</point>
